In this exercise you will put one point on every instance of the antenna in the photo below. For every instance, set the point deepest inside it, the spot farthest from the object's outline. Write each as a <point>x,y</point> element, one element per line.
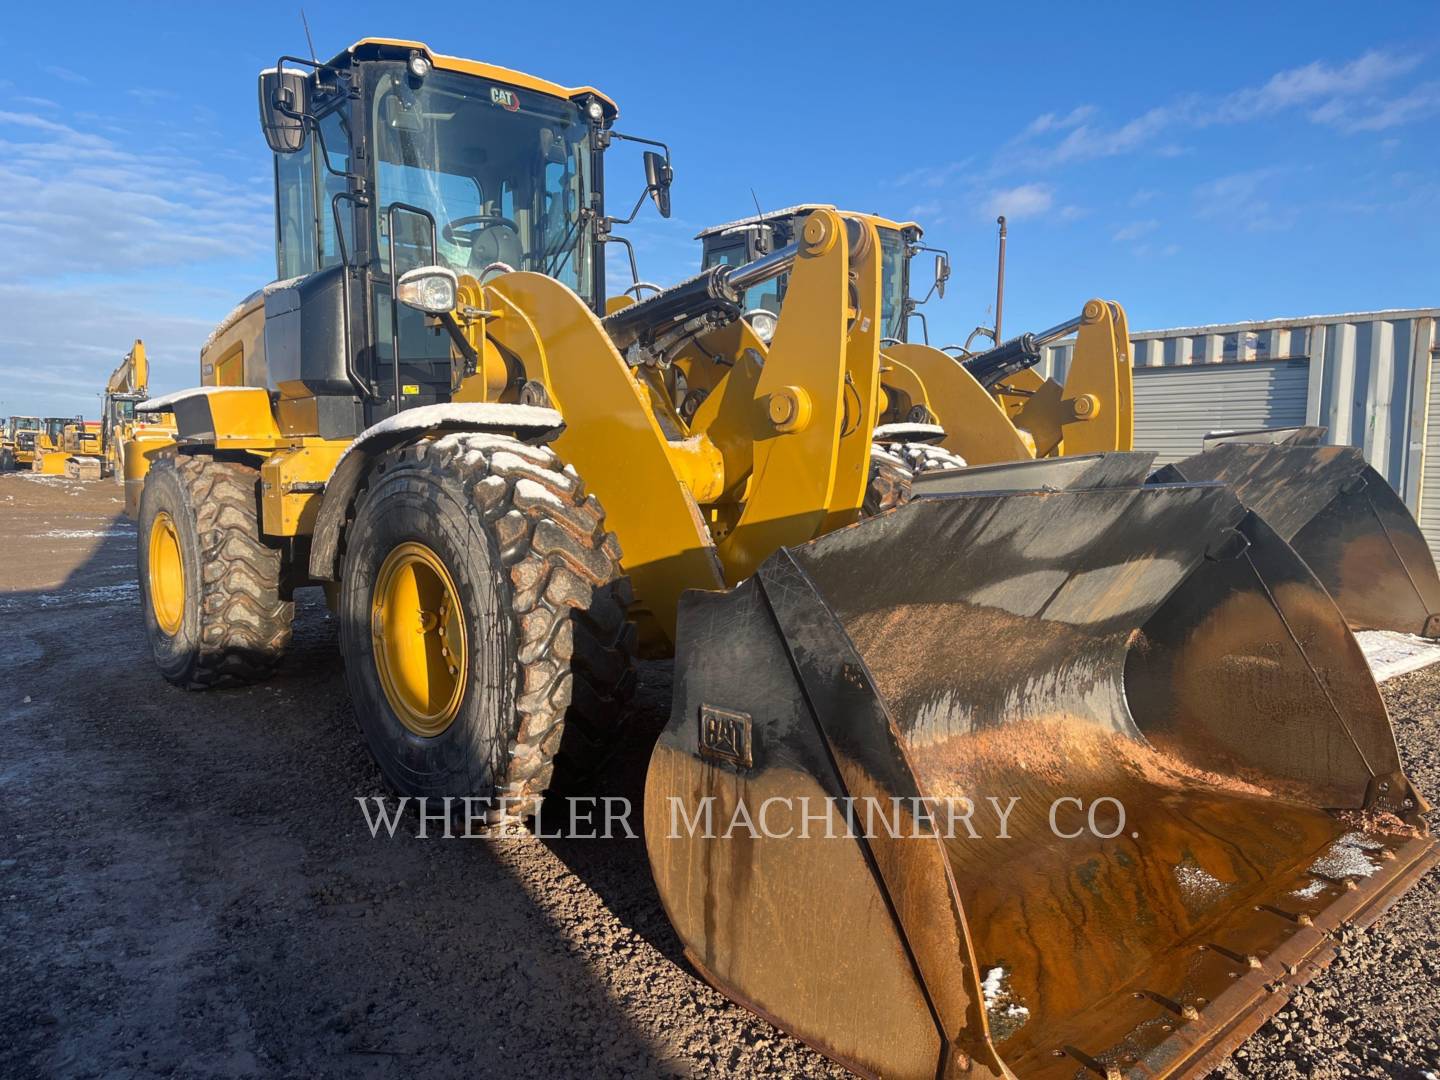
<point>308,40</point>
<point>762,238</point>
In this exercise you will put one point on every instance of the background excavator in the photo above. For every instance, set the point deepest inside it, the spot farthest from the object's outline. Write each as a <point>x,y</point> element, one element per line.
<point>506,483</point>
<point>1341,515</point>
<point>130,440</point>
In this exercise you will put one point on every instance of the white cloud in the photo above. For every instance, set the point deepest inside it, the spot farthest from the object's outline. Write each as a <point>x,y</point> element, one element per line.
<point>64,74</point>
<point>1312,82</point>
<point>1054,122</point>
<point>933,176</point>
<point>74,201</point>
<point>1134,231</point>
<point>1243,199</point>
<point>109,239</point>
<point>1017,203</point>
<point>1379,114</point>
<point>1340,95</point>
<point>52,365</point>
<point>1087,142</point>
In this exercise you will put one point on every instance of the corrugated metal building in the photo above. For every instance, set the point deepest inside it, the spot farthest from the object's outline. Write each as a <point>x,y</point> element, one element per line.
<point>1372,378</point>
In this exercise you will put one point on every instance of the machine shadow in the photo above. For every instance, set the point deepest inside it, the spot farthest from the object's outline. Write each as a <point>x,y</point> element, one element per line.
<point>235,847</point>
<point>616,867</point>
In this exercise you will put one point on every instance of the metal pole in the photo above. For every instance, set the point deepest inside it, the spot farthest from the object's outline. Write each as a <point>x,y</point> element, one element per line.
<point>1000,280</point>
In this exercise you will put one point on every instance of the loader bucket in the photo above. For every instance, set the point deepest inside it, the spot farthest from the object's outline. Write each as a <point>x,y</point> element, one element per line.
<point>1340,515</point>
<point>1111,469</point>
<point>818,815</point>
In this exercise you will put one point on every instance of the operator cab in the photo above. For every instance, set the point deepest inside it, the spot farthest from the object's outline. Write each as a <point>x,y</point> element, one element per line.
<point>742,241</point>
<point>391,160</point>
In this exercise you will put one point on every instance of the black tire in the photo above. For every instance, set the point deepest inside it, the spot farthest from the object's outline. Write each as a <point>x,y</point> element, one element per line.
<point>544,603</point>
<point>7,461</point>
<point>889,484</point>
<point>236,622</point>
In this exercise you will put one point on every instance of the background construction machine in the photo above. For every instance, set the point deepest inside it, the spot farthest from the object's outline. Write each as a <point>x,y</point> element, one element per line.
<point>17,447</point>
<point>426,413</point>
<point>49,457</point>
<point>128,440</point>
<point>69,446</point>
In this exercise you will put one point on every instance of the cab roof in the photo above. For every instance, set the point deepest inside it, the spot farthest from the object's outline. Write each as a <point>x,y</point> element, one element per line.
<point>476,67</point>
<point>799,210</point>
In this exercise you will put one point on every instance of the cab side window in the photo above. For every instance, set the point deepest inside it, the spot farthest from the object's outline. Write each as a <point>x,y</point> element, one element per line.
<point>335,130</point>
<point>295,212</point>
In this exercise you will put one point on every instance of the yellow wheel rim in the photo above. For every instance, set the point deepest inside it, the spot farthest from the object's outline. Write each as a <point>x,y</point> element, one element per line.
<point>418,629</point>
<point>167,574</point>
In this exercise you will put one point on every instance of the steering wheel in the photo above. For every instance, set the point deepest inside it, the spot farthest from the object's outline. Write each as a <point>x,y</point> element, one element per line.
<point>485,221</point>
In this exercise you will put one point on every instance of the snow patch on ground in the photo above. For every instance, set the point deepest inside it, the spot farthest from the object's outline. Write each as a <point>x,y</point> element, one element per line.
<point>86,534</point>
<point>1390,653</point>
<point>98,594</point>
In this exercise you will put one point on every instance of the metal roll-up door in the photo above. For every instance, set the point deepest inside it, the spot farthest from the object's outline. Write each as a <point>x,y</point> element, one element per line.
<point>1430,476</point>
<point>1176,407</point>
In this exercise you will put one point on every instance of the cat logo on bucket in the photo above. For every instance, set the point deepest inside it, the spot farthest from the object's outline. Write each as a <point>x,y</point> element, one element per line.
<point>506,99</point>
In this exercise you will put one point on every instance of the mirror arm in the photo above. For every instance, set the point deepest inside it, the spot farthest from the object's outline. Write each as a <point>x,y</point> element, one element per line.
<point>634,210</point>
<point>647,142</point>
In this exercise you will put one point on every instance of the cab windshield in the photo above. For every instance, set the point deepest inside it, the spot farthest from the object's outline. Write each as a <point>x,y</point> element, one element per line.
<point>892,284</point>
<point>26,423</point>
<point>504,173</point>
<point>767,294</point>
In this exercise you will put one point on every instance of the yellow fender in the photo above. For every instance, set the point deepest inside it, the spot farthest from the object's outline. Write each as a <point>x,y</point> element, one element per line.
<point>613,440</point>
<point>976,426</point>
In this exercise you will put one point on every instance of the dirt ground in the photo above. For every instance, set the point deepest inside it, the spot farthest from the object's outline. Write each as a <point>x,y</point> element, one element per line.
<point>188,888</point>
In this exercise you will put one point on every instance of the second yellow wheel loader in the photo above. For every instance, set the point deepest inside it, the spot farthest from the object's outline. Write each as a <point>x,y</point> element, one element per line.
<point>1339,513</point>
<point>502,488</point>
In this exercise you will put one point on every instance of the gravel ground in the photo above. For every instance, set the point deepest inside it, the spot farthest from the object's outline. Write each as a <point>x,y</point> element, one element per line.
<point>187,886</point>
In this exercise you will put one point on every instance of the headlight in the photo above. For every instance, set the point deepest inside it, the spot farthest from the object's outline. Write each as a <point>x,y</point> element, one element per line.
<point>419,65</point>
<point>596,111</point>
<point>430,289</point>
<point>763,322</point>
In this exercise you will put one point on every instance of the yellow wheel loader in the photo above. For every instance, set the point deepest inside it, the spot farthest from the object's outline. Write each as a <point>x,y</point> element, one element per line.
<point>18,447</point>
<point>1341,515</point>
<point>505,483</point>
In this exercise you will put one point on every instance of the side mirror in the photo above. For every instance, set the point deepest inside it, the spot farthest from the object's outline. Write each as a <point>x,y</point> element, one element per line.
<point>284,101</point>
<point>942,274</point>
<point>658,177</point>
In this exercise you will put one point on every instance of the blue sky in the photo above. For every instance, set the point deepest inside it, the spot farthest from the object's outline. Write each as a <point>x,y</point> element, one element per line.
<point>1198,163</point>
